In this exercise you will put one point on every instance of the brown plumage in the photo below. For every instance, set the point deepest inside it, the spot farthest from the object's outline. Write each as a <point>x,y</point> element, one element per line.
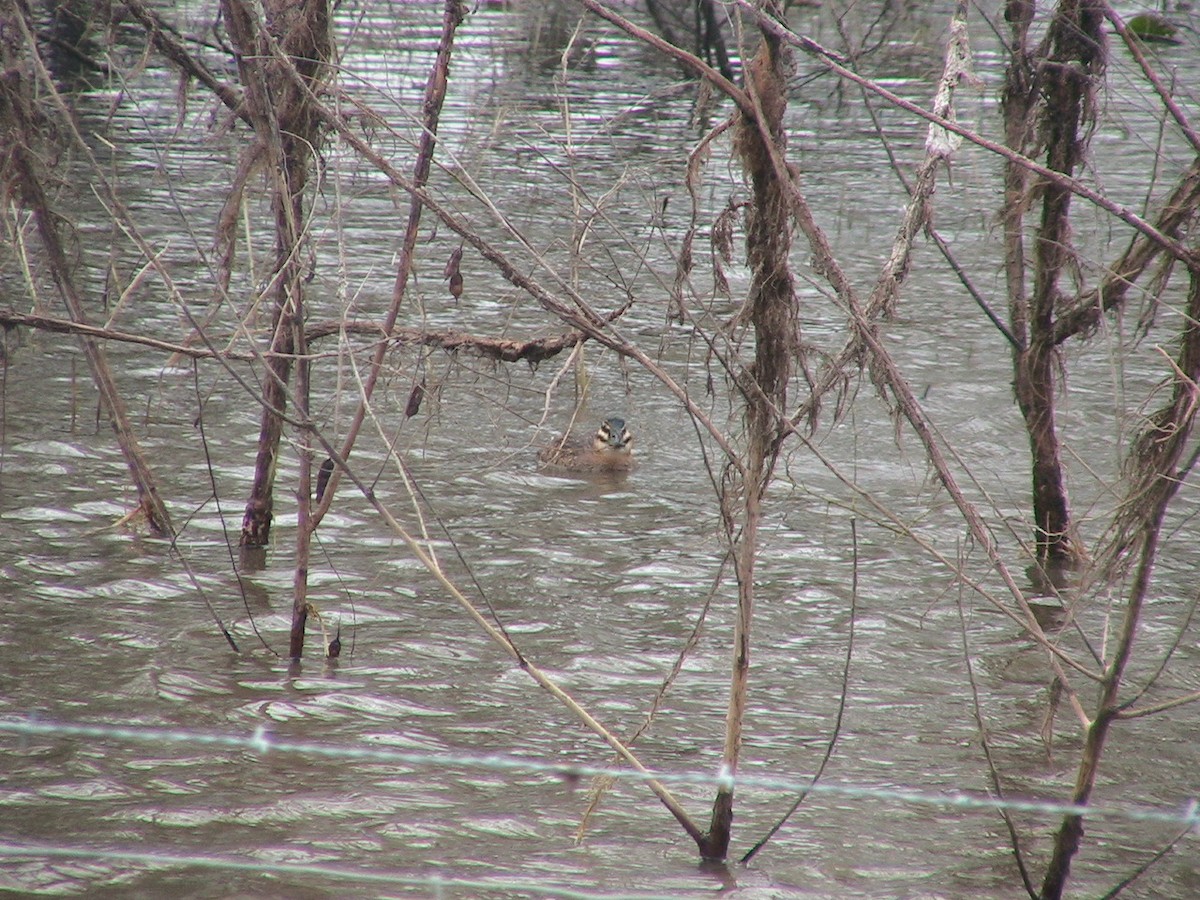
<point>609,450</point>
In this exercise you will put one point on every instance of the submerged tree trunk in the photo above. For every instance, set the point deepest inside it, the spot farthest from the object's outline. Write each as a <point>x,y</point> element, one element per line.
<point>1064,82</point>
<point>771,308</point>
<point>287,134</point>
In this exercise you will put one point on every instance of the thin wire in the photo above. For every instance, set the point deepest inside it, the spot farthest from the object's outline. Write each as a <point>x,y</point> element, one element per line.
<point>227,863</point>
<point>261,742</point>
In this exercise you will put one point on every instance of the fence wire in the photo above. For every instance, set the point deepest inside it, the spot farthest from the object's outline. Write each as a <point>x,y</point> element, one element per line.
<point>261,742</point>
<point>434,885</point>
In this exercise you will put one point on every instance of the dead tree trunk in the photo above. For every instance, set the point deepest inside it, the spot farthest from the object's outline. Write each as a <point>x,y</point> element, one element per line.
<point>771,309</point>
<point>287,134</point>
<point>1063,79</point>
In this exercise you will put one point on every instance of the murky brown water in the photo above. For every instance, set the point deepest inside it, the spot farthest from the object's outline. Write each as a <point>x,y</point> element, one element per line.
<point>601,582</point>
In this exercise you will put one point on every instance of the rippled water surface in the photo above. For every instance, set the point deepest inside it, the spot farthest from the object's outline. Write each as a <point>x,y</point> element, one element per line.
<point>600,582</point>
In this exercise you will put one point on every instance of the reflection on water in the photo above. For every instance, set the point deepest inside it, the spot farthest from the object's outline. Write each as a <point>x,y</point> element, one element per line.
<point>600,581</point>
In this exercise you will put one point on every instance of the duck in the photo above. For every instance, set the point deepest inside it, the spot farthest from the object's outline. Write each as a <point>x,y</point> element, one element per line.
<point>609,450</point>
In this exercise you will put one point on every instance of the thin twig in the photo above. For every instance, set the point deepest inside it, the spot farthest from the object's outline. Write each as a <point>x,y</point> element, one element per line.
<point>986,744</point>
<point>843,698</point>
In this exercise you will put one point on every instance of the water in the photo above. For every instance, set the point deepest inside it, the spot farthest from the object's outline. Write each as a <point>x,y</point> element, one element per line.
<point>600,583</point>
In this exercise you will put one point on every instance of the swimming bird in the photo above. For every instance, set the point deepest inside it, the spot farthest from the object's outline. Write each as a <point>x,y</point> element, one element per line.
<point>609,450</point>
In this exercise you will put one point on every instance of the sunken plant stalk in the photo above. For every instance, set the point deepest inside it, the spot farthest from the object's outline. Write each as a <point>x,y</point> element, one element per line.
<point>435,96</point>
<point>771,309</point>
<point>1065,81</point>
<point>1155,478</point>
<point>287,134</point>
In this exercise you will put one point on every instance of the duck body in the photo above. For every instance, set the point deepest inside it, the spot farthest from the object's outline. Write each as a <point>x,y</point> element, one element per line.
<point>610,449</point>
